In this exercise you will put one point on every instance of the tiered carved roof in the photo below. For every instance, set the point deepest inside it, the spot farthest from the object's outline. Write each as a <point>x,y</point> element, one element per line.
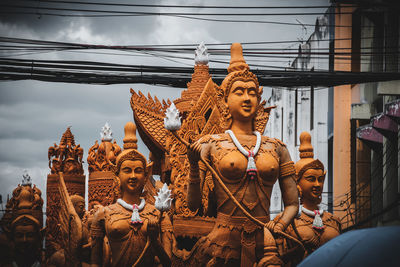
<point>149,113</point>
<point>194,88</point>
<point>149,118</point>
<point>68,138</point>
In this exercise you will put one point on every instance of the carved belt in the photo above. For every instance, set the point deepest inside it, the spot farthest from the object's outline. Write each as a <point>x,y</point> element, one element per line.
<point>248,235</point>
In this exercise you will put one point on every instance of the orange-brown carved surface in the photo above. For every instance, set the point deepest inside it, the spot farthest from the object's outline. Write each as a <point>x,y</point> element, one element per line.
<point>100,156</point>
<point>75,185</point>
<point>195,87</point>
<point>312,229</point>
<point>193,227</point>
<point>66,157</point>
<point>149,117</point>
<point>101,188</point>
<point>208,116</point>
<point>23,217</point>
<point>204,112</point>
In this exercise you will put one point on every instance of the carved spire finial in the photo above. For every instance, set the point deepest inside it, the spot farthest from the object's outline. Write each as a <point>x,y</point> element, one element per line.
<point>201,55</point>
<point>68,137</point>
<point>130,140</point>
<point>237,62</point>
<point>307,160</point>
<point>306,149</point>
<point>106,133</point>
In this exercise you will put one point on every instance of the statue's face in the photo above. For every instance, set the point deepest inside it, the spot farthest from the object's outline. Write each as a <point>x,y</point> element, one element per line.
<point>26,238</point>
<point>311,184</point>
<point>132,175</point>
<point>80,208</point>
<point>242,100</point>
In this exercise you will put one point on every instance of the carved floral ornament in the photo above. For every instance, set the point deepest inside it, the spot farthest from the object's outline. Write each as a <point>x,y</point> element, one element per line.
<point>66,157</point>
<point>201,55</point>
<point>102,156</point>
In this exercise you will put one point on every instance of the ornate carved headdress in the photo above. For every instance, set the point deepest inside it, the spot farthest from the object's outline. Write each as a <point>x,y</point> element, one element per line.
<point>238,70</point>
<point>130,148</point>
<point>307,160</point>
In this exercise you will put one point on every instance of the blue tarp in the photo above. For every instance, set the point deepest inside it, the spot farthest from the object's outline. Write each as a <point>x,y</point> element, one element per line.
<point>366,247</point>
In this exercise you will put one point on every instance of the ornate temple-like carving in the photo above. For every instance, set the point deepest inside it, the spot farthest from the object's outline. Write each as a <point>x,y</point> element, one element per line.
<point>202,112</point>
<point>22,224</point>
<point>100,159</point>
<point>196,85</point>
<point>67,158</point>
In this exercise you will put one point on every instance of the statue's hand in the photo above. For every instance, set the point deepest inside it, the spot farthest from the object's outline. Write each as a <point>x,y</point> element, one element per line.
<point>193,152</point>
<point>153,228</point>
<point>270,226</point>
<point>275,227</point>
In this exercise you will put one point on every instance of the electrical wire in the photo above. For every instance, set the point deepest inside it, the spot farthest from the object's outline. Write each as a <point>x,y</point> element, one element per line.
<point>176,6</point>
<point>111,73</point>
<point>122,12</point>
<point>4,39</point>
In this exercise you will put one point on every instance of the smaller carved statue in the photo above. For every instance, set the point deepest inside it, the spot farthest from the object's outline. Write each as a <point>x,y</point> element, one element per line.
<point>22,224</point>
<point>75,234</point>
<point>138,233</point>
<point>313,226</point>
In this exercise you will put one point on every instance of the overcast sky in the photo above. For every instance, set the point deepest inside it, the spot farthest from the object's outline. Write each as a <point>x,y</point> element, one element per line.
<point>34,115</point>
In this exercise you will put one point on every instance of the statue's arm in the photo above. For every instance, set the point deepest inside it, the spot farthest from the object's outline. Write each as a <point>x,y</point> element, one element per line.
<point>97,233</point>
<point>167,234</point>
<point>196,174</point>
<point>288,187</point>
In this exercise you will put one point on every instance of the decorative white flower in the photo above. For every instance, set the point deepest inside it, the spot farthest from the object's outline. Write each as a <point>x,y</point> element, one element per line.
<point>163,199</point>
<point>172,121</point>
<point>106,133</point>
<point>201,55</point>
<point>26,179</point>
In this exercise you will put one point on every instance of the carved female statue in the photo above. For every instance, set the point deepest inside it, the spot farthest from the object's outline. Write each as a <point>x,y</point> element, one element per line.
<point>313,226</point>
<point>249,164</point>
<point>137,232</point>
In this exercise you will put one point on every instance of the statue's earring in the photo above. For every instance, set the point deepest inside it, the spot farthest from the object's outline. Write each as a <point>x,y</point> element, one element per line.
<point>300,193</point>
<point>300,200</point>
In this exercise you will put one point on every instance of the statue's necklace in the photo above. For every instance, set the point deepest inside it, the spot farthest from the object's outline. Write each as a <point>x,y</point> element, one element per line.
<point>317,223</point>
<point>251,170</point>
<point>135,218</point>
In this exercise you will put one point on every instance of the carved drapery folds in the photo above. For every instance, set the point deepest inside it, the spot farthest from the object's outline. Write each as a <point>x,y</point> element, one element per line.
<point>66,157</point>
